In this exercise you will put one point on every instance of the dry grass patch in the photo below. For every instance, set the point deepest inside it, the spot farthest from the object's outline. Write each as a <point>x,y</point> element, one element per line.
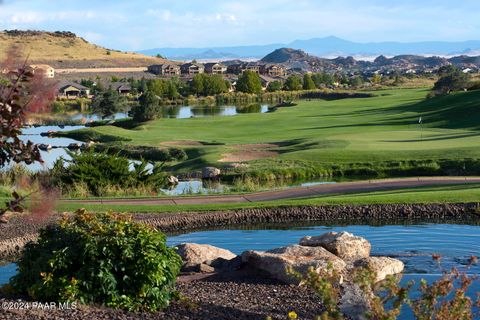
<point>249,152</point>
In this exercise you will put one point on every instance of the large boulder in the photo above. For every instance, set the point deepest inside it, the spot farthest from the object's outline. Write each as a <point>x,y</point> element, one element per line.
<point>172,180</point>
<point>382,266</point>
<point>210,173</point>
<point>343,244</point>
<point>194,254</point>
<point>275,262</point>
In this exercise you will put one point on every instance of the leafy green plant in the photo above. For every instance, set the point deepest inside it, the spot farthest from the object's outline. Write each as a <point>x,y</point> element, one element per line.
<point>99,170</point>
<point>99,258</point>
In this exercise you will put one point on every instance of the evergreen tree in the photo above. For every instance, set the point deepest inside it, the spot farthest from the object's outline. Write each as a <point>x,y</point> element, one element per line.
<point>451,79</point>
<point>148,108</point>
<point>293,83</point>
<point>308,83</point>
<point>249,82</point>
<point>274,86</point>
<point>108,103</point>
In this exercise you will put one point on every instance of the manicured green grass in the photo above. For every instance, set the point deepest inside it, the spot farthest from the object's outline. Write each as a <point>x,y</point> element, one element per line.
<point>443,194</point>
<point>318,132</point>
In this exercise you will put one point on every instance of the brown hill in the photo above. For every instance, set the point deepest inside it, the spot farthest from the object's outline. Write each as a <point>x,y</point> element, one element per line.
<point>66,50</point>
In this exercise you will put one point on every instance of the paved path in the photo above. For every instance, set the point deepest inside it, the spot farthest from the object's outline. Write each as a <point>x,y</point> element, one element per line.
<point>293,193</point>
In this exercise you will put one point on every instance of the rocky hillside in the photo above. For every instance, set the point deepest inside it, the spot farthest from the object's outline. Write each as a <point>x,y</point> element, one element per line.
<point>284,55</point>
<point>66,50</point>
<point>300,60</point>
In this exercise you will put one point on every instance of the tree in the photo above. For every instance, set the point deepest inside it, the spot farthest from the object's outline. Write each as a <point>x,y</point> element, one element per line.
<point>196,85</point>
<point>377,78</point>
<point>308,83</point>
<point>108,103</point>
<point>214,84</point>
<point>148,108</point>
<point>324,78</point>
<point>274,86</point>
<point>164,88</point>
<point>249,82</point>
<point>356,81</point>
<point>293,83</point>
<point>451,79</point>
<point>207,85</point>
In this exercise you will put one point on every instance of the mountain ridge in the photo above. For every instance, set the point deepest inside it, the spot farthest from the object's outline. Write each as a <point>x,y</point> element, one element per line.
<point>327,46</point>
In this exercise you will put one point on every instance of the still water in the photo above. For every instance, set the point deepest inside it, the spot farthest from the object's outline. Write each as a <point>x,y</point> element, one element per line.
<point>413,244</point>
<point>179,112</point>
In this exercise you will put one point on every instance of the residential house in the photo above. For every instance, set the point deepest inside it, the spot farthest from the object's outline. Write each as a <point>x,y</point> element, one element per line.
<point>272,70</point>
<point>215,68</point>
<point>165,69</point>
<point>240,68</point>
<point>122,88</point>
<point>192,68</point>
<point>72,90</point>
<point>45,69</point>
<point>266,80</point>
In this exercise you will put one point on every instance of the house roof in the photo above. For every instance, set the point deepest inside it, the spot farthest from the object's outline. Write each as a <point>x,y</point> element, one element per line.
<point>165,66</point>
<point>212,64</point>
<point>121,86</point>
<point>188,65</point>
<point>267,79</point>
<point>64,84</point>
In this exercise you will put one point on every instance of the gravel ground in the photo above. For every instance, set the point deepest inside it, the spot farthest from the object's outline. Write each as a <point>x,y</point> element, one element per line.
<point>236,295</point>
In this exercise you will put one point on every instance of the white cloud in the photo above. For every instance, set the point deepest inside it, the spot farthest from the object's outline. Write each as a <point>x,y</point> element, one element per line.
<point>156,23</point>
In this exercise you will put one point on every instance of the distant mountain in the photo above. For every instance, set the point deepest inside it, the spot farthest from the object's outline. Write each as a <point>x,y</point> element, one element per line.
<point>326,47</point>
<point>209,54</point>
<point>206,53</point>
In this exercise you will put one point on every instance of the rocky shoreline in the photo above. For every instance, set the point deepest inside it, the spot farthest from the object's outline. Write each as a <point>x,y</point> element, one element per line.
<point>20,230</point>
<point>219,289</point>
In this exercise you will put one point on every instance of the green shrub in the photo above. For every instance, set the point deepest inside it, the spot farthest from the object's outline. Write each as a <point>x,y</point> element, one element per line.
<point>99,170</point>
<point>99,258</point>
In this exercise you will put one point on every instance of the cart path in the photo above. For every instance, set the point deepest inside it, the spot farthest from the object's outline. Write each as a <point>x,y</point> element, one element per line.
<point>291,193</point>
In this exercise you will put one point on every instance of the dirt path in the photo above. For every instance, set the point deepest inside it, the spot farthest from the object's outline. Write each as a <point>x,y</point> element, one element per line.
<point>293,193</point>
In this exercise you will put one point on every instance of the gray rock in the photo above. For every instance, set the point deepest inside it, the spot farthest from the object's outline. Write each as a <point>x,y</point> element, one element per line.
<point>194,254</point>
<point>354,302</point>
<point>222,264</point>
<point>275,262</point>
<point>382,266</point>
<point>345,245</point>
<point>172,180</point>
<point>210,172</point>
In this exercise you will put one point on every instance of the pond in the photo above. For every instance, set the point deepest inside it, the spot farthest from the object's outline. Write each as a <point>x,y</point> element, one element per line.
<point>185,112</point>
<point>180,112</point>
<point>413,244</point>
<point>204,187</point>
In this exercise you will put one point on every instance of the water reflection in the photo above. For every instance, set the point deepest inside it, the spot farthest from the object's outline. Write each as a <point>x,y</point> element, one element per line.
<point>185,112</point>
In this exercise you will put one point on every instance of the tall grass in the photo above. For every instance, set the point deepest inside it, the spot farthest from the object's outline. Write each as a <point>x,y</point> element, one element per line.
<point>298,170</point>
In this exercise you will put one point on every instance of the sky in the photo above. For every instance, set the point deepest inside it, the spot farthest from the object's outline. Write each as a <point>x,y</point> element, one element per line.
<point>138,24</point>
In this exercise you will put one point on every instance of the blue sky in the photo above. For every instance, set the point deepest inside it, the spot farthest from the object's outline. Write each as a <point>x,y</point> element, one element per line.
<point>135,25</point>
